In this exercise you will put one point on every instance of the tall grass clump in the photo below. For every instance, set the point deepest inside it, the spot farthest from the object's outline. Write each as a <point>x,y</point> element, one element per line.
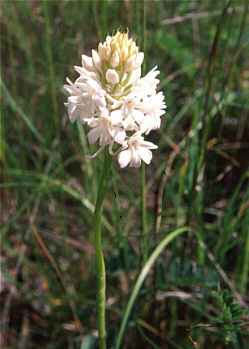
<point>175,236</point>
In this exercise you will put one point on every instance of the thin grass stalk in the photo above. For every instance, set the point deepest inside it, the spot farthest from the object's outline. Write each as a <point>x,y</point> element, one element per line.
<point>48,47</point>
<point>137,21</point>
<point>238,43</point>
<point>245,266</point>
<point>232,70</point>
<point>3,158</point>
<point>16,108</point>
<point>15,95</point>
<point>144,272</point>
<point>143,171</point>
<point>199,170</point>
<point>244,274</point>
<point>147,338</point>
<point>104,18</point>
<point>99,258</point>
<point>228,222</point>
<point>59,274</point>
<point>208,84</point>
<point>144,37</point>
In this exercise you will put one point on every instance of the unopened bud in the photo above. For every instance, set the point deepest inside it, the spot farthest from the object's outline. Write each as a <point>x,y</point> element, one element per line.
<point>112,76</point>
<point>101,51</point>
<point>107,53</point>
<point>115,59</point>
<point>139,60</point>
<point>130,63</point>
<point>124,53</point>
<point>129,42</point>
<point>96,60</point>
<point>87,63</point>
<point>108,40</point>
<point>133,48</point>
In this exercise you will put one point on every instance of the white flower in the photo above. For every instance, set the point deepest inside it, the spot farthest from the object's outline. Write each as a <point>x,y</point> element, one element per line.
<point>137,149</point>
<point>103,129</point>
<point>152,107</point>
<point>148,84</point>
<point>115,102</point>
<point>128,115</point>
<point>86,96</point>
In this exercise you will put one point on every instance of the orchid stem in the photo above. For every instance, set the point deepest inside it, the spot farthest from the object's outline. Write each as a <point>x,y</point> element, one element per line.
<point>144,214</point>
<point>99,258</point>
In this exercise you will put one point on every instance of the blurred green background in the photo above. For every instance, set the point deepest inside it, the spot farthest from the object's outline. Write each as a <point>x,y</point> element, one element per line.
<point>198,177</point>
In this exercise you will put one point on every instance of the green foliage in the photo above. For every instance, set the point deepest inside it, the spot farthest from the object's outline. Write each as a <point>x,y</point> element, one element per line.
<point>230,317</point>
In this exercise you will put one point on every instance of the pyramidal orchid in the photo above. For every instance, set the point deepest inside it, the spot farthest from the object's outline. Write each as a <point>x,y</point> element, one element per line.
<point>119,107</point>
<point>112,98</point>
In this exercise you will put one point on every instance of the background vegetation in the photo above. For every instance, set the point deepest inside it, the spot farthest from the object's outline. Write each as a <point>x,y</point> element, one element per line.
<point>198,178</point>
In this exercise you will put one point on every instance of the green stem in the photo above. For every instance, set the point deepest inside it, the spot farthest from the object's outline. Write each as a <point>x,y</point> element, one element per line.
<point>143,180</point>
<point>144,36</point>
<point>137,21</point>
<point>99,259</point>
<point>144,214</point>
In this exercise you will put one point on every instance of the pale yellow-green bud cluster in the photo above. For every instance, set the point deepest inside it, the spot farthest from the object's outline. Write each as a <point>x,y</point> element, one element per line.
<point>116,58</point>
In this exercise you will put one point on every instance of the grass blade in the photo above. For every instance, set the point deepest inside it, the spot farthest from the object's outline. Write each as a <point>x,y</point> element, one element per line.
<point>142,276</point>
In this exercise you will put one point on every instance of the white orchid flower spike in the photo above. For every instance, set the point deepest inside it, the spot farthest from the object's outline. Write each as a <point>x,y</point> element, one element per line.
<point>115,102</point>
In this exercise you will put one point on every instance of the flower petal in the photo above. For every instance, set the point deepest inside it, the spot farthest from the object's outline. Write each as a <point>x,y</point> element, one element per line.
<point>118,135</point>
<point>100,101</point>
<point>149,145</point>
<point>117,117</point>
<point>135,158</point>
<point>94,134</point>
<point>145,154</point>
<point>124,157</point>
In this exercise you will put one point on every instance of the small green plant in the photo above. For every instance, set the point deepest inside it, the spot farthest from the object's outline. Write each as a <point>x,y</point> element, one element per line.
<point>230,318</point>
